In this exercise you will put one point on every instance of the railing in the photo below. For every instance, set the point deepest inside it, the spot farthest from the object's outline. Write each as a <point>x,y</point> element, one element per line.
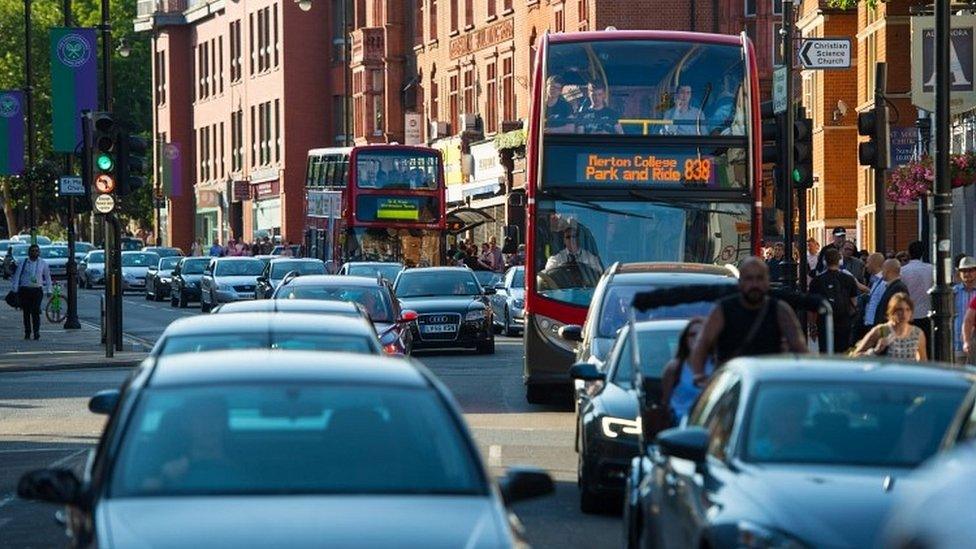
<point>145,8</point>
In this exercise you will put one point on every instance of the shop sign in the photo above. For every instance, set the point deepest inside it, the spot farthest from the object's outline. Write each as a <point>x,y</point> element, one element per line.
<point>413,133</point>
<point>962,63</point>
<point>451,153</point>
<point>487,171</point>
<point>902,141</point>
<point>208,199</point>
<point>482,38</point>
<point>240,190</point>
<point>267,189</point>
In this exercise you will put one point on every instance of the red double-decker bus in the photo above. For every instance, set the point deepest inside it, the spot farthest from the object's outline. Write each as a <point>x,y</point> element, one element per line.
<point>642,146</point>
<point>375,203</point>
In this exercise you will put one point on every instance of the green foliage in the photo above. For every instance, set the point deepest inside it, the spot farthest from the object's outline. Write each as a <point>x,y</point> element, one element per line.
<point>510,140</point>
<point>131,85</point>
<point>852,4</point>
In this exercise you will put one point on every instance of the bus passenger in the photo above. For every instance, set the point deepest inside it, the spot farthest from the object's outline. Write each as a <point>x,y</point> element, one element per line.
<point>559,113</point>
<point>685,119</point>
<point>598,117</point>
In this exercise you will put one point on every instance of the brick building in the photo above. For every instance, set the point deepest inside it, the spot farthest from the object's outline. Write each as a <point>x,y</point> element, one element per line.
<point>233,92</point>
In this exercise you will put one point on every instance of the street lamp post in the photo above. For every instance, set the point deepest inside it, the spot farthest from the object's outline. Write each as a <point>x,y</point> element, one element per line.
<point>942,204</point>
<point>29,108</point>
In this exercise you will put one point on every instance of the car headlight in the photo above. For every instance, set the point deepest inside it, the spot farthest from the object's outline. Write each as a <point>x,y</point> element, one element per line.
<point>518,303</point>
<point>128,276</point>
<point>165,280</point>
<point>752,535</point>
<point>477,314</point>
<point>615,427</point>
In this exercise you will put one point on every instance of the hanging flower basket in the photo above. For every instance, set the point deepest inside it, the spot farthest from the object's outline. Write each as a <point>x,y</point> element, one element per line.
<point>912,181</point>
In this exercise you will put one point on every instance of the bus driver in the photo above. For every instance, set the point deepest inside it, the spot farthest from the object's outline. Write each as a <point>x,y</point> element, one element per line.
<point>573,254</point>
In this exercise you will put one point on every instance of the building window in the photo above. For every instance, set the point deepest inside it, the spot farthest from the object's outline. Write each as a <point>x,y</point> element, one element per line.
<point>508,89</point>
<point>212,68</point>
<point>418,25</point>
<point>454,15</point>
<point>220,63</point>
<point>206,153</point>
<point>223,166</point>
<point>160,73</point>
<point>506,6</point>
<point>491,9</point>
<point>378,116</point>
<point>871,55</point>
<point>560,17</point>
<point>434,97</point>
<point>452,102</point>
<point>584,14</point>
<point>277,130</point>
<point>432,25</point>
<point>777,7</point>
<point>236,140</point>
<point>750,8</point>
<point>777,42</point>
<point>235,51</point>
<point>251,44</point>
<point>491,99</point>
<point>468,13</point>
<point>254,140</point>
<point>277,42</point>
<point>469,104</point>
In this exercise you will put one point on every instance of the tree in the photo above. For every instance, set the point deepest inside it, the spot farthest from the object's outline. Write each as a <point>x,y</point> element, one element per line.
<point>131,92</point>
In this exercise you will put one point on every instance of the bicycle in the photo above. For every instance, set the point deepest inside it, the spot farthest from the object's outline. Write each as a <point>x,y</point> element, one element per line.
<point>55,310</point>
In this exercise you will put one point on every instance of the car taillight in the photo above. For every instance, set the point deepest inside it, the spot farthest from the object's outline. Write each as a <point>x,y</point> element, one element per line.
<point>391,349</point>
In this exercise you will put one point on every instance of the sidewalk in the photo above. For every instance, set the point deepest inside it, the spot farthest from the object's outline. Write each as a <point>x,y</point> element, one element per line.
<point>58,349</point>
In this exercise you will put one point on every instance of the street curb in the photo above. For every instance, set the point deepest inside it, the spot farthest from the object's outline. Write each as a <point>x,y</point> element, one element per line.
<point>135,340</point>
<point>131,363</point>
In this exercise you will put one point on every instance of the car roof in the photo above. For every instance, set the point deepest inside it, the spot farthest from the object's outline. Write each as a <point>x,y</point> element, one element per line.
<point>333,280</point>
<point>663,278</point>
<point>226,367</point>
<point>422,270</point>
<point>279,259</point>
<point>361,263</point>
<point>132,252</point>
<point>820,368</point>
<point>263,322</point>
<point>661,325</point>
<point>235,258</point>
<point>291,305</point>
<point>674,267</point>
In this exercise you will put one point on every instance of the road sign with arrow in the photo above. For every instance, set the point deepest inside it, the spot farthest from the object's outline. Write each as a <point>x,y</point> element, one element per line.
<point>826,53</point>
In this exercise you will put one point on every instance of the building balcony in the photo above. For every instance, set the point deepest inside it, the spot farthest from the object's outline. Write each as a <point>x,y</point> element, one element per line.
<point>146,8</point>
<point>152,14</point>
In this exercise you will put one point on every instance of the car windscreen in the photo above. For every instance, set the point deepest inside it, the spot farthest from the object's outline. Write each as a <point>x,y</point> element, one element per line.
<point>20,250</point>
<point>850,423</point>
<point>247,267</point>
<point>4,245</point>
<point>293,438</point>
<point>167,252</point>
<point>617,305</point>
<point>348,343</point>
<point>437,283</point>
<point>139,260</point>
<point>388,272</point>
<point>280,268</point>
<point>656,347</point>
<point>487,279</point>
<point>95,257</point>
<point>194,266</point>
<point>374,299</point>
<point>518,279</point>
<point>168,263</point>
<point>83,247</point>
<point>54,252</point>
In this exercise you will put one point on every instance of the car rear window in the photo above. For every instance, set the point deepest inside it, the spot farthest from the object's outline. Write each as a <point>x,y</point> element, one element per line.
<point>290,341</point>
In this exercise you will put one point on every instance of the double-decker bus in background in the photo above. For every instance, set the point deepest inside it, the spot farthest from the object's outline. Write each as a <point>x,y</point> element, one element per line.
<point>642,146</point>
<point>375,203</point>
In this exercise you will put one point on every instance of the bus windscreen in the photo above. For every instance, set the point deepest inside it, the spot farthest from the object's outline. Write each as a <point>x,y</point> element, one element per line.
<point>397,169</point>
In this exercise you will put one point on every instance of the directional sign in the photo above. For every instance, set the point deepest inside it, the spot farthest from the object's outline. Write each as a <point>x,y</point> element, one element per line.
<point>104,203</point>
<point>70,186</point>
<point>104,183</point>
<point>826,53</point>
<point>779,90</point>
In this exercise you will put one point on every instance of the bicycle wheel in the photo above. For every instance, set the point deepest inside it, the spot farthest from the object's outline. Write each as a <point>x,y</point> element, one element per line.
<point>54,311</point>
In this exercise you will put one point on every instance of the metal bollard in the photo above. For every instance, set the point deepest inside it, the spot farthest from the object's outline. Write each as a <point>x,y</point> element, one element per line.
<point>101,322</point>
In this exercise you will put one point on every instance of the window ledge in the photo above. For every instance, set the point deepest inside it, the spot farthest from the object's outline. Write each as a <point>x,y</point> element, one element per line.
<point>456,32</point>
<point>490,18</point>
<point>468,27</point>
<point>432,43</point>
<point>532,3</point>
<point>509,11</point>
<point>418,48</point>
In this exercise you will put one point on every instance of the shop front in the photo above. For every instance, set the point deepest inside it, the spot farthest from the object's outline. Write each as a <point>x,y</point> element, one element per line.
<point>266,210</point>
<point>207,222</point>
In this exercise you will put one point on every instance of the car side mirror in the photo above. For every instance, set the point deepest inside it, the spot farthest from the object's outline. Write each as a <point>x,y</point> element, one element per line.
<point>104,402</point>
<point>571,332</point>
<point>489,291</point>
<point>500,287</point>
<point>408,316</point>
<point>522,483</point>
<point>586,371</point>
<point>689,443</point>
<point>263,279</point>
<point>50,485</point>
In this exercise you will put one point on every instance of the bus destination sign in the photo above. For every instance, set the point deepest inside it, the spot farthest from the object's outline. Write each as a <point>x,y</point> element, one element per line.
<point>397,209</point>
<point>649,169</point>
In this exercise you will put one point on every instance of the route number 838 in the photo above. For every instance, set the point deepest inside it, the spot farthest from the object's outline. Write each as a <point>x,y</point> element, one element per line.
<point>698,169</point>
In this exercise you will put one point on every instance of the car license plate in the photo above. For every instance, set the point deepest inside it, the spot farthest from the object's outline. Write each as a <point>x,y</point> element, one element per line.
<point>438,328</point>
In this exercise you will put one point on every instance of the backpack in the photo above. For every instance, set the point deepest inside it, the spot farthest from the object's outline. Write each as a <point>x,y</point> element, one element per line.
<point>832,286</point>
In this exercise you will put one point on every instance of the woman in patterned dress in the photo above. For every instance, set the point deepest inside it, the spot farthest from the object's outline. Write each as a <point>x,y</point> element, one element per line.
<point>897,338</point>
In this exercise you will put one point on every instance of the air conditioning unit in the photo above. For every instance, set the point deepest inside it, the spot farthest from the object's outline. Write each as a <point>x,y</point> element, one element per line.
<point>439,129</point>
<point>470,122</point>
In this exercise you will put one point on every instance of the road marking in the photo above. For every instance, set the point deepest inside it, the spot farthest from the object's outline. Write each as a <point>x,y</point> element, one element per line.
<point>28,450</point>
<point>67,458</point>
<point>494,456</point>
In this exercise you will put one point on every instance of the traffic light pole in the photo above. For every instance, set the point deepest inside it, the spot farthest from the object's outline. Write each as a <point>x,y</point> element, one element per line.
<point>880,205</point>
<point>801,207</point>
<point>787,160</point>
<point>71,321</point>
<point>942,204</point>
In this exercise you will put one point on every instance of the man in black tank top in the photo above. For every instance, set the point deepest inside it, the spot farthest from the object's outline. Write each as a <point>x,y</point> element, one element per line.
<point>749,323</point>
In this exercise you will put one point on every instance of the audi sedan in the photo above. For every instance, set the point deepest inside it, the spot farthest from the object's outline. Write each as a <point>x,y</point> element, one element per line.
<point>285,449</point>
<point>792,452</point>
<point>159,278</point>
<point>185,283</point>
<point>452,308</point>
<point>313,306</point>
<point>229,279</point>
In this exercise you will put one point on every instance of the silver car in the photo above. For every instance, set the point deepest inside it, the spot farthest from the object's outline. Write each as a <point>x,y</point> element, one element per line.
<point>229,279</point>
<point>91,271</point>
<point>508,303</point>
<point>57,260</point>
<point>135,266</point>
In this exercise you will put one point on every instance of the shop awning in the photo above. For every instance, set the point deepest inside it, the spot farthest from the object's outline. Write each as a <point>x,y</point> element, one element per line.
<point>465,219</point>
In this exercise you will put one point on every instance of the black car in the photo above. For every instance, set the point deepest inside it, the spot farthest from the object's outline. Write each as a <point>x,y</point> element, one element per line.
<point>375,295</point>
<point>159,278</point>
<point>276,270</point>
<point>606,418</point>
<point>266,448</point>
<point>164,251</point>
<point>452,308</point>
<point>792,452</point>
<point>185,285</point>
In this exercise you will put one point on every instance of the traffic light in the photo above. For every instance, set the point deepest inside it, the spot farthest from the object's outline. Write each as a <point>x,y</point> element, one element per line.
<point>772,125</point>
<point>104,152</point>
<point>874,125</point>
<point>132,163</point>
<point>802,150</point>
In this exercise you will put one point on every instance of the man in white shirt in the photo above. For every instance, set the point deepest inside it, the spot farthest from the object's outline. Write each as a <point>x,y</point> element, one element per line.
<point>813,248</point>
<point>573,254</point>
<point>918,277</point>
<point>32,280</point>
<point>685,119</point>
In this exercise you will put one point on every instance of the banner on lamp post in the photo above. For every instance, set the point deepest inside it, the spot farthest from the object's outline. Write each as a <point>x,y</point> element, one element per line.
<point>11,132</point>
<point>962,63</point>
<point>171,169</point>
<point>74,83</point>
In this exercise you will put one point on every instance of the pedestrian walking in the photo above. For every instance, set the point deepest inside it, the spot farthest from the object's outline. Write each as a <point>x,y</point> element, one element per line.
<point>196,249</point>
<point>216,250</point>
<point>840,289</point>
<point>777,263</point>
<point>497,261</point>
<point>850,262</point>
<point>919,279</point>
<point>678,389</point>
<point>890,284</point>
<point>32,280</point>
<point>969,332</point>
<point>840,237</point>
<point>813,248</point>
<point>964,293</point>
<point>872,277</point>
<point>749,323</point>
<point>897,338</point>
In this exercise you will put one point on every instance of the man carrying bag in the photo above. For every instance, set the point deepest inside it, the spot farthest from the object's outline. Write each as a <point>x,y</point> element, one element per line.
<point>32,280</point>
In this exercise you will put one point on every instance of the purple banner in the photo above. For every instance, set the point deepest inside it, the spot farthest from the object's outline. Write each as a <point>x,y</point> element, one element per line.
<point>171,160</point>
<point>11,132</point>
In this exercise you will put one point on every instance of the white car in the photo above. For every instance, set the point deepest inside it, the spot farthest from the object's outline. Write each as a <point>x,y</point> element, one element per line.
<point>228,279</point>
<point>57,260</point>
<point>91,270</point>
<point>135,266</point>
<point>508,303</point>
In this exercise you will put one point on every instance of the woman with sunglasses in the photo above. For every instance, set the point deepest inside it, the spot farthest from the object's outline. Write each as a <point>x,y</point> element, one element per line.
<point>897,338</point>
<point>678,389</point>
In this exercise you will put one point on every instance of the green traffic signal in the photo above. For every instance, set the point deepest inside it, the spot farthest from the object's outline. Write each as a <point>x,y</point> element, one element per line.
<point>797,176</point>
<point>104,162</point>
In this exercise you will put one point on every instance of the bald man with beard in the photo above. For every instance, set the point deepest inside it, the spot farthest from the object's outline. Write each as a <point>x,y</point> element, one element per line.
<point>876,311</point>
<point>750,323</point>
